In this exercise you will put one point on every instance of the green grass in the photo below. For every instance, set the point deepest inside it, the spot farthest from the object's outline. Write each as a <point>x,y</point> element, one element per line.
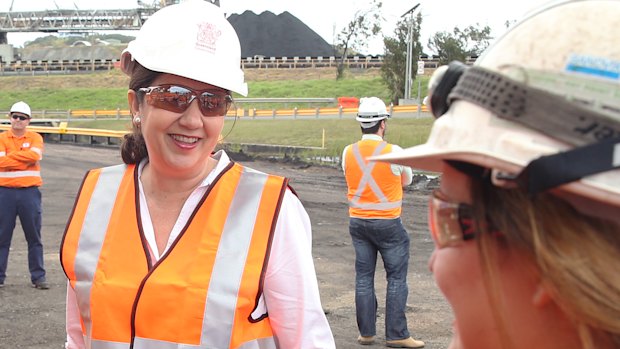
<point>405,132</point>
<point>108,91</point>
<point>68,99</point>
<point>55,93</point>
<point>320,88</point>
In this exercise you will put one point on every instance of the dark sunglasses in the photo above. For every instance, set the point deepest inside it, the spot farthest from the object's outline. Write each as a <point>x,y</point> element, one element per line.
<point>451,223</point>
<point>20,117</point>
<point>177,99</point>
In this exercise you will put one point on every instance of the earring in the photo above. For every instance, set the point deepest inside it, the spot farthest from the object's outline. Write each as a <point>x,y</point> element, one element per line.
<point>137,120</point>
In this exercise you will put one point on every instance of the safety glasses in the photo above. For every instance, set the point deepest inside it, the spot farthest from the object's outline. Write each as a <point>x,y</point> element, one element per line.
<point>177,99</point>
<point>451,223</point>
<point>20,117</point>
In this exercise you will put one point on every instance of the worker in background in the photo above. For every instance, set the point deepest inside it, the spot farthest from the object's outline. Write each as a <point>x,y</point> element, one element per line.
<point>21,151</point>
<point>375,193</point>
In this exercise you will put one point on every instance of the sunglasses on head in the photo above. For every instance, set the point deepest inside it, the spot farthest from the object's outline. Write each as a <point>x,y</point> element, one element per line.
<point>175,98</point>
<point>452,223</point>
<point>20,117</point>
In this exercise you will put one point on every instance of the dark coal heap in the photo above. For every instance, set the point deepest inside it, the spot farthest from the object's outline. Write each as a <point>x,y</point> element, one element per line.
<point>277,36</point>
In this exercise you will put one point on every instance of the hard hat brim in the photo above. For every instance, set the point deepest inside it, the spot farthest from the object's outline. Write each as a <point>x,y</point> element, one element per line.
<point>371,118</point>
<point>472,134</point>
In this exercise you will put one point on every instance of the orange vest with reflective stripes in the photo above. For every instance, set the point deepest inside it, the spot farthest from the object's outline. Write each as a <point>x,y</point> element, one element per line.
<point>19,159</point>
<point>202,293</point>
<point>374,191</point>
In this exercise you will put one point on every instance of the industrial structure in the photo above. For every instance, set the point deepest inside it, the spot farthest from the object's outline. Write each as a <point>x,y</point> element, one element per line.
<point>77,21</point>
<point>283,41</point>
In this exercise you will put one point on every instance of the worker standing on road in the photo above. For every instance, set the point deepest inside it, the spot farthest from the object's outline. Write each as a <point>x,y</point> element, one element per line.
<point>526,221</point>
<point>375,192</point>
<point>180,247</point>
<point>21,151</point>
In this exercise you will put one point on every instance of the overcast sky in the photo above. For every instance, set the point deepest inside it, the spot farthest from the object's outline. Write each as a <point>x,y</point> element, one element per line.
<point>328,17</point>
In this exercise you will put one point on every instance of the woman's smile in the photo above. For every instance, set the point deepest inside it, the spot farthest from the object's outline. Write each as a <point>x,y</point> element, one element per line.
<point>184,141</point>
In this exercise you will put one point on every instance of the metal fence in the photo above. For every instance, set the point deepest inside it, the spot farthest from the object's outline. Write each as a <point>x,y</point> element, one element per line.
<point>39,67</point>
<point>54,117</point>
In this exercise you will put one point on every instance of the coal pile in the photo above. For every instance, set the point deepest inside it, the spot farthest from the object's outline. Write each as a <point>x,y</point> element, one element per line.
<point>283,35</point>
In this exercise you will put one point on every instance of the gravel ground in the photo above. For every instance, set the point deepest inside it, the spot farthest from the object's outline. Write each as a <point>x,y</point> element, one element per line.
<point>32,318</point>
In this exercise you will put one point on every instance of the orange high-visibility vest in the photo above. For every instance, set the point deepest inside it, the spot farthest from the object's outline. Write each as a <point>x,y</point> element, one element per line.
<point>19,159</point>
<point>201,293</point>
<point>373,190</point>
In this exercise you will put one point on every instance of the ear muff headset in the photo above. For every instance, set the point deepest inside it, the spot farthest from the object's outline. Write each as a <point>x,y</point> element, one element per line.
<point>439,101</point>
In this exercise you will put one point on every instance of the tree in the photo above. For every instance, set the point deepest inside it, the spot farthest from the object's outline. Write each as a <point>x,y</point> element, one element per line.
<point>460,44</point>
<point>395,56</point>
<point>366,23</point>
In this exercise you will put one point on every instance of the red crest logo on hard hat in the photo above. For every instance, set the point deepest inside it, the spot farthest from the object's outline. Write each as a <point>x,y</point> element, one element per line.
<point>207,37</point>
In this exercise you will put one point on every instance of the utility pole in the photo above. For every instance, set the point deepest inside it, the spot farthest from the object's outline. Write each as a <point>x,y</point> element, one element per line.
<point>408,70</point>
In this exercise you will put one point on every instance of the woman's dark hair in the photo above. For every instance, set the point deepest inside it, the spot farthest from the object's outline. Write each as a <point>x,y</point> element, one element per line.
<point>133,148</point>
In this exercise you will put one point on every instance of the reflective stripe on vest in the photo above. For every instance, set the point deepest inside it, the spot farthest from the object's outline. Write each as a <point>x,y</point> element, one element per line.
<point>367,179</point>
<point>18,174</point>
<point>96,224</point>
<point>95,344</point>
<point>241,245</point>
<point>261,343</point>
<point>373,190</point>
<point>228,268</point>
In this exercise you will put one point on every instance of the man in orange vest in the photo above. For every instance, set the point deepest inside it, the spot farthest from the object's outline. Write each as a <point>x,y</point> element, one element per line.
<point>20,179</point>
<point>375,192</point>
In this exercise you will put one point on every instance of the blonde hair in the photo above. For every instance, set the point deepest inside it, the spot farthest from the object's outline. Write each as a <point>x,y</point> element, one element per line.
<point>574,253</point>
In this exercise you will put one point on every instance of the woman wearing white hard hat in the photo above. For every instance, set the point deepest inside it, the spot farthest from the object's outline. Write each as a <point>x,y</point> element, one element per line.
<point>525,221</point>
<point>180,247</point>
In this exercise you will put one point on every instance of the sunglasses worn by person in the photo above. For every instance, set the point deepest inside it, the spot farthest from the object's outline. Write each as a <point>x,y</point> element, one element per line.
<point>20,117</point>
<point>175,98</point>
<point>451,223</point>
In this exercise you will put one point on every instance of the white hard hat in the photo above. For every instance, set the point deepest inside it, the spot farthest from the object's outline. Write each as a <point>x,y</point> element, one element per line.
<point>192,39</point>
<point>371,110</point>
<point>21,107</point>
<point>540,107</point>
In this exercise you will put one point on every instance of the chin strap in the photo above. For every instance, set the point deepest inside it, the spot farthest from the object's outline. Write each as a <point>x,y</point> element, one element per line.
<point>554,170</point>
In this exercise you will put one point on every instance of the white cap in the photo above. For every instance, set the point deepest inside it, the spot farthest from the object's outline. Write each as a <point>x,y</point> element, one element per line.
<point>371,110</point>
<point>562,51</point>
<point>21,107</point>
<point>192,39</point>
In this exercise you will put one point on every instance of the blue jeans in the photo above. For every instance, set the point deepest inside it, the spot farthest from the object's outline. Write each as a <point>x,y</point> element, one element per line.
<point>24,203</point>
<point>389,238</point>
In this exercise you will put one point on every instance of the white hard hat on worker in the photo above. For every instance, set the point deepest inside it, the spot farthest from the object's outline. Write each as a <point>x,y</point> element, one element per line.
<point>540,110</point>
<point>200,40</point>
<point>370,111</point>
<point>21,107</point>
